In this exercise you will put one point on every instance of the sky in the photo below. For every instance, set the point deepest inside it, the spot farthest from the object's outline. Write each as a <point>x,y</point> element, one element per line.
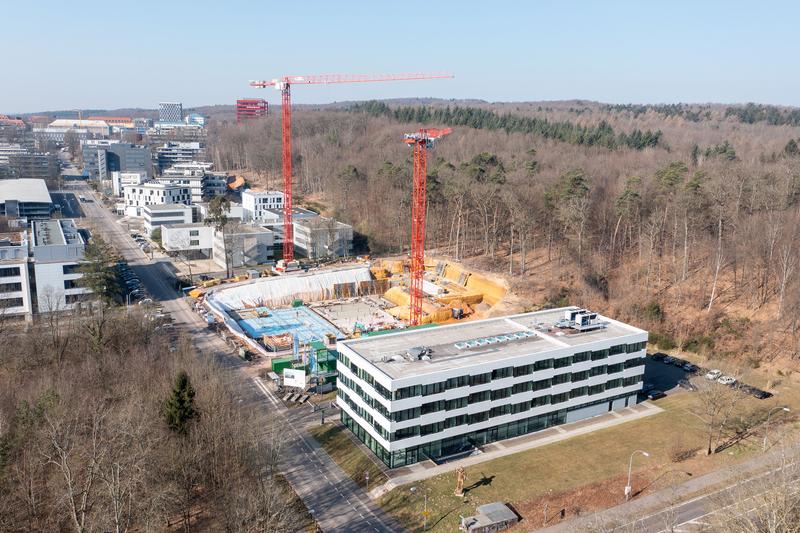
<point>103,55</point>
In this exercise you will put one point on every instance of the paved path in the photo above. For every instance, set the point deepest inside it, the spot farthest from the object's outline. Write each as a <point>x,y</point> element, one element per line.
<point>336,502</point>
<point>504,448</point>
<point>659,512</point>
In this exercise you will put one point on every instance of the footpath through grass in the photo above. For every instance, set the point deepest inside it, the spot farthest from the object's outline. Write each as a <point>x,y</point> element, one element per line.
<point>348,455</point>
<point>599,458</point>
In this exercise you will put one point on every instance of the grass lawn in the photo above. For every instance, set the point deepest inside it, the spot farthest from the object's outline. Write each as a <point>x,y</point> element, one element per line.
<point>347,455</point>
<point>599,459</point>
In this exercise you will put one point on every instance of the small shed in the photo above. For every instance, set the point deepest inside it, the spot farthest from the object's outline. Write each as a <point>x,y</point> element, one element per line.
<point>489,518</point>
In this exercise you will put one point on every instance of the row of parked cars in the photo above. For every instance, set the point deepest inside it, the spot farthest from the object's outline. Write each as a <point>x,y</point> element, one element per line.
<point>710,374</point>
<point>131,284</point>
<point>143,243</point>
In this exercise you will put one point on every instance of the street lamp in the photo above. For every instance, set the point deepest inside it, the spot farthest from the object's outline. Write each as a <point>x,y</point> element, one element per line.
<point>425,510</point>
<point>766,425</point>
<point>630,467</point>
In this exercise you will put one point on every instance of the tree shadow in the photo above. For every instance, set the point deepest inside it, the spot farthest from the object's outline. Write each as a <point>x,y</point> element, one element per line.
<point>484,481</point>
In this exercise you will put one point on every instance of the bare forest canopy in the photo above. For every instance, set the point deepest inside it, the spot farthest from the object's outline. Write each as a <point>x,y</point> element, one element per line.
<point>680,236</point>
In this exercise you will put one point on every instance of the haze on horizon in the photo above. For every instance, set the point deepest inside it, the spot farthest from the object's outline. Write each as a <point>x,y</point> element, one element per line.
<point>89,55</point>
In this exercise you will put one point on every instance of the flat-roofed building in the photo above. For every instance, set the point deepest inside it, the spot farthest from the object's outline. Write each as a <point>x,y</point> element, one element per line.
<point>15,290</point>
<point>322,237</point>
<point>245,245</point>
<point>120,180</point>
<point>57,248</point>
<point>172,153</point>
<point>25,198</point>
<point>153,193</point>
<point>155,216</point>
<point>258,204</point>
<point>437,392</point>
<point>192,240</point>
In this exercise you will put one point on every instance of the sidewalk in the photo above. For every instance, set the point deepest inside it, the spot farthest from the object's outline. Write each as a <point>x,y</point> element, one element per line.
<point>673,497</point>
<point>495,450</point>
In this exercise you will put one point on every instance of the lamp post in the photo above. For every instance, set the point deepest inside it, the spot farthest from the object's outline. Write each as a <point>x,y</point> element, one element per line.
<point>766,425</point>
<point>425,509</point>
<point>630,468</point>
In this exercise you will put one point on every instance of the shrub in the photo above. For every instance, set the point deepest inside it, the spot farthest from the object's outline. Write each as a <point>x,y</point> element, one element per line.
<point>698,343</point>
<point>663,341</point>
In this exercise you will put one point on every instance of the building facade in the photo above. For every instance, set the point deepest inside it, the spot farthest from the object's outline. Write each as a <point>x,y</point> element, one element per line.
<point>170,112</point>
<point>322,237</point>
<point>15,290</point>
<point>120,180</point>
<point>198,176</point>
<point>438,392</point>
<point>244,245</point>
<point>172,153</point>
<point>25,198</point>
<point>155,216</point>
<point>251,108</point>
<point>257,205</point>
<point>192,240</point>
<point>102,156</point>
<point>152,193</point>
<point>57,249</point>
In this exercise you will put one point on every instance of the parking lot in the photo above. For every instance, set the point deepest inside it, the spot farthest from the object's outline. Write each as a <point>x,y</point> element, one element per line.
<point>69,204</point>
<point>662,374</point>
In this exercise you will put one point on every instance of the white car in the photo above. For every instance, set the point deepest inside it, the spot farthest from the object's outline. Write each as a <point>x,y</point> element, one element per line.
<point>727,380</point>
<point>714,374</point>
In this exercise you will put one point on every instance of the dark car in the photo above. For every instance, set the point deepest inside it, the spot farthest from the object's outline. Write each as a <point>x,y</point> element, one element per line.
<point>691,368</point>
<point>760,394</point>
<point>655,395</point>
<point>679,362</point>
<point>686,384</point>
<point>659,356</point>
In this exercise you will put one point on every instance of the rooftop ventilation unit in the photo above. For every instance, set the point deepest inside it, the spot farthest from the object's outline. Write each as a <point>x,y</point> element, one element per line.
<point>419,353</point>
<point>496,339</point>
<point>580,320</point>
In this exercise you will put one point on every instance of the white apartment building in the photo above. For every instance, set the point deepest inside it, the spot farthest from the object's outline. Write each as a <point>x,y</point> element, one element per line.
<point>57,250</point>
<point>257,204</point>
<point>438,392</point>
<point>15,290</point>
<point>156,216</point>
<point>153,193</point>
<point>120,180</point>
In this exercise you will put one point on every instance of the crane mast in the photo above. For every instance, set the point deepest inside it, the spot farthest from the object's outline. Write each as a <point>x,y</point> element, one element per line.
<point>421,142</point>
<point>283,84</point>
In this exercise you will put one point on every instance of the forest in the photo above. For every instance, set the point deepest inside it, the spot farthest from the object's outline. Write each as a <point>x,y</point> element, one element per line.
<point>682,219</point>
<point>107,423</point>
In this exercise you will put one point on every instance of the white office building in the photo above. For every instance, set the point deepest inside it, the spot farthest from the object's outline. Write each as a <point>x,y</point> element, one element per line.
<point>257,204</point>
<point>322,237</point>
<point>155,216</point>
<point>57,248</point>
<point>244,245</point>
<point>438,392</point>
<point>154,193</point>
<point>191,240</point>
<point>175,152</point>
<point>198,177</point>
<point>15,290</point>
<point>120,180</point>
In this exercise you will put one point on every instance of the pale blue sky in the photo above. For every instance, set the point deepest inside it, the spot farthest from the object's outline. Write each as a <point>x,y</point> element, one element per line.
<point>92,54</point>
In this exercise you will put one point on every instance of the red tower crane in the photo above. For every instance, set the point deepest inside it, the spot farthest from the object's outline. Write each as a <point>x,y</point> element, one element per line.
<point>420,141</point>
<point>284,84</point>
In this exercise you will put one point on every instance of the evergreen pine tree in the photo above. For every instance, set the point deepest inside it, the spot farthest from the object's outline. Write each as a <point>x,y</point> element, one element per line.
<point>179,408</point>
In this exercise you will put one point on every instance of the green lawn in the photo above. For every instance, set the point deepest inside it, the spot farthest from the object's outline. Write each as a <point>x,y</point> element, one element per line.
<point>558,467</point>
<point>347,455</point>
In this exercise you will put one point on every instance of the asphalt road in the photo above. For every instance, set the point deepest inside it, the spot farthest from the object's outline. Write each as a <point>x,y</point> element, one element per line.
<point>336,502</point>
<point>70,206</point>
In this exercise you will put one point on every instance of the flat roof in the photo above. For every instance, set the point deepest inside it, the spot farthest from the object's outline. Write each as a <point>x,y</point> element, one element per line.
<point>481,341</point>
<point>53,232</point>
<point>165,207</point>
<point>29,190</point>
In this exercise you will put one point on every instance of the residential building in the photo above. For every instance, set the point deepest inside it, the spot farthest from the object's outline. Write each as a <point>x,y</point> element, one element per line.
<point>57,249</point>
<point>174,152</point>
<point>257,204</point>
<point>437,392</point>
<point>245,245</point>
<point>170,112</point>
<point>15,290</point>
<point>17,161</point>
<point>194,241</point>
<point>155,216</point>
<point>322,237</point>
<point>120,180</point>
<point>141,125</point>
<point>103,156</point>
<point>25,198</point>
<point>235,211</point>
<point>251,108</point>
<point>153,193</point>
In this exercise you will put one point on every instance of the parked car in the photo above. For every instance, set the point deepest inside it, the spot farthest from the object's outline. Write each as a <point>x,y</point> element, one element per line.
<point>659,356</point>
<point>727,380</point>
<point>689,367</point>
<point>686,384</point>
<point>761,394</point>
<point>668,360</point>
<point>714,374</point>
<point>679,362</point>
<point>655,395</point>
